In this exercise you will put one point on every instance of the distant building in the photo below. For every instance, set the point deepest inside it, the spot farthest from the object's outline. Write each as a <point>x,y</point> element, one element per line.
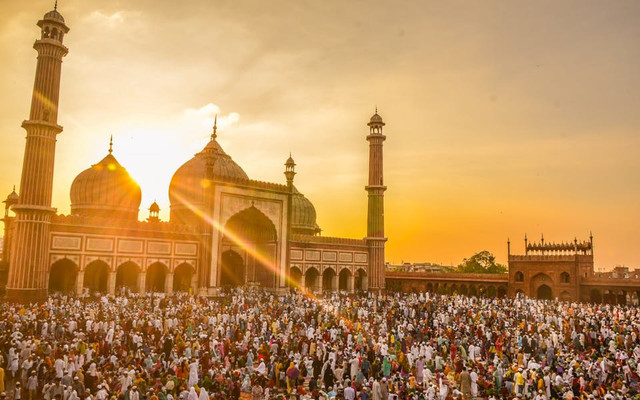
<point>546,270</point>
<point>419,267</point>
<point>620,272</point>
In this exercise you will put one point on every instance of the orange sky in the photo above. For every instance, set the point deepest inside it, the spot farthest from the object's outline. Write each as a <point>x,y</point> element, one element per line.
<point>503,117</point>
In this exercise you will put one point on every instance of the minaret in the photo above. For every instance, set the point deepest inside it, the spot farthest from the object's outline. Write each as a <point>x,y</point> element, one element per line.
<point>29,261</point>
<point>289,173</point>
<point>375,217</point>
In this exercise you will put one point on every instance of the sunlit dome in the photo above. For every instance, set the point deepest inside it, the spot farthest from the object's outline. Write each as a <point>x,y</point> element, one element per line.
<point>105,190</point>
<point>303,215</point>
<point>187,187</point>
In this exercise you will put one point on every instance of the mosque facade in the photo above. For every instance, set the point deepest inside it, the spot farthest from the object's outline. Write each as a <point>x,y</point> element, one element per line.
<point>224,228</point>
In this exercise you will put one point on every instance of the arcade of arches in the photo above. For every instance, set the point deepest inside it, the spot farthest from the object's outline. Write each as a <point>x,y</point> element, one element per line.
<point>314,281</point>
<point>97,277</point>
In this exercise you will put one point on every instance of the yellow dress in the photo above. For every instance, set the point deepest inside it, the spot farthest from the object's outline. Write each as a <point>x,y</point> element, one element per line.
<point>1,379</point>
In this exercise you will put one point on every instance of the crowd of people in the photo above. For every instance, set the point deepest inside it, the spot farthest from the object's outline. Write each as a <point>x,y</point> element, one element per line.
<point>259,345</point>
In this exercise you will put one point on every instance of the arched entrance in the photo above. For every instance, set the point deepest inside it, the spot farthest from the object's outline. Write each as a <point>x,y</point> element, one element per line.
<point>544,292</point>
<point>295,277</point>
<point>537,289</point>
<point>62,276</point>
<point>595,296</point>
<point>96,275</point>
<point>127,276</point>
<point>182,277</point>
<point>361,280</point>
<point>328,278</point>
<point>311,279</point>
<point>233,268</point>
<point>156,277</point>
<point>502,292</point>
<point>343,279</point>
<point>254,232</point>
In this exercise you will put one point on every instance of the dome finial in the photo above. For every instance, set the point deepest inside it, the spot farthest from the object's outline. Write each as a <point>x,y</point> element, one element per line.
<point>55,6</point>
<point>215,127</point>
<point>111,145</point>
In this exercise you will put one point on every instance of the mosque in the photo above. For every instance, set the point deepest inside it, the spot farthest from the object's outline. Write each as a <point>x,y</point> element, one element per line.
<point>224,228</point>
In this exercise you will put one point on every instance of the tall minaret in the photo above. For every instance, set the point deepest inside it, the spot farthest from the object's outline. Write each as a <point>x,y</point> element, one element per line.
<point>375,217</point>
<point>29,260</point>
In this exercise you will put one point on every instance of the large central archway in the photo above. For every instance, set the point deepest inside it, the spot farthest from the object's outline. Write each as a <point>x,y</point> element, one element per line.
<point>255,234</point>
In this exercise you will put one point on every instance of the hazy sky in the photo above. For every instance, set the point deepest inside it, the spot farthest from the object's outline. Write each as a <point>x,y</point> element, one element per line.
<point>503,117</point>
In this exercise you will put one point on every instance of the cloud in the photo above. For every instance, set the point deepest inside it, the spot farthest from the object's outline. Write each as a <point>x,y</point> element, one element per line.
<point>111,21</point>
<point>205,115</point>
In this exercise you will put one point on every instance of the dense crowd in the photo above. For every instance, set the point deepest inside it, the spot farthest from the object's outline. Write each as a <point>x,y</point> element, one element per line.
<point>259,345</point>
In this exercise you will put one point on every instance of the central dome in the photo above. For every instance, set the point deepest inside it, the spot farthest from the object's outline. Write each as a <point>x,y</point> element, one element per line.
<point>187,187</point>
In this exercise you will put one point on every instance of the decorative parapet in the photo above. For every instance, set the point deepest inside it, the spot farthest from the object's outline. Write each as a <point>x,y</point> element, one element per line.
<point>257,184</point>
<point>328,240</point>
<point>157,226</point>
<point>548,257</point>
<point>449,276</point>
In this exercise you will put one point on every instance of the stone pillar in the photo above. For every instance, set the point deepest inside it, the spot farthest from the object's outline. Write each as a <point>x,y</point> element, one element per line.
<point>351,281</point>
<point>302,282</point>
<point>168,283</point>
<point>142,278</point>
<point>111,282</point>
<point>334,283</point>
<point>80,282</point>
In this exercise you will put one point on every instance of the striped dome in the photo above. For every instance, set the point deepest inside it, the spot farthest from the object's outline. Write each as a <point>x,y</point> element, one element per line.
<point>303,215</point>
<point>105,190</point>
<point>187,186</point>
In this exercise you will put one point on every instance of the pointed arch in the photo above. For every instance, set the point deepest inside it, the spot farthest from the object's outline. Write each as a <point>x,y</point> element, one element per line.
<point>518,276</point>
<point>156,277</point>
<point>343,279</point>
<point>329,279</point>
<point>96,275</point>
<point>62,276</point>
<point>183,277</point>
<point>311,279</point>
<point>361,281</point>
<point>295,278</point>
<point>127,276</point>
